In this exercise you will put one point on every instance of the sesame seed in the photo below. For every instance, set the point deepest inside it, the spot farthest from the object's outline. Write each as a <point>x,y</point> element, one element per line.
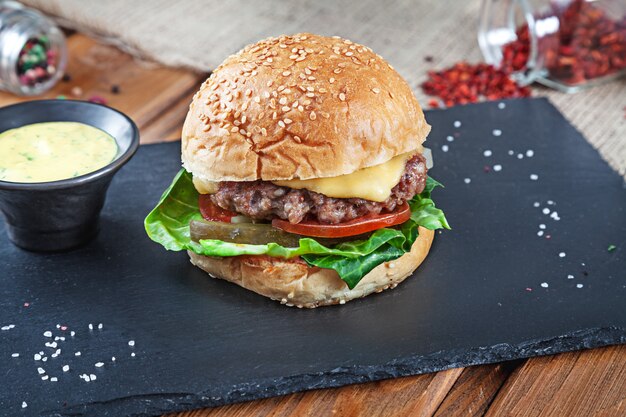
<point>311,78</point>
<point>322,90</point>
<point>297,139</point>
<point>311,95</point>
<point>281,123</point>
<point>257,99</point>
<point>242,131</point>
<point>283,100</point>
<point>467,180</point>
<point>312,115</point>
<point>286,73</point>
<point>497,168</point>
<point>376,90</point>
<point>342,97</point>
<point>457,123</point>
<point>248,92</point>
<point>331,80</point>
<point>544,285</point>
<point>287,121</point>
<point>487,153</point>
<point>337,71</point>
<point>264,131</point>
<point>445,148</point>
<point>270,82</point>
<point>286,108</point>
<point>534,177</point>
<point>349,53</point>
<point>266,94</point>
<point>561,254</point>
<point>496,132</point>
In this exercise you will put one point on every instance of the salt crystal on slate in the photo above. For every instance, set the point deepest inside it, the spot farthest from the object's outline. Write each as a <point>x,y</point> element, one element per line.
<point>53,379</point>
<point>113,359</point>
<point>457,123</point>
<point>72,333</point>
<point>570,276</point>
<point>445,148</point>
<point>41,371</point>
<point>579,285</point>
<point>511,152</point>
<point>520,156</point>
<point>542,226</point>
<point>545,210</point>
<point>450,138</point>
<point>551,203</point>
<point>100,326</point>
<point>90,326</point>
<point>8,327</point>
<point>24,405</point>
<point>562,255</point>
<point>45,378</point>
<point>133,353</point>
<point>467,180</point>
<point>487,153</point>
<point>131,343</point>
<point>47,333</point>
<point>496,132</point>
<point>44,359</point>
<point>536,204</point>
<point>544,284</point>
<point>540,233</point>
<point>99,365</point>
<point>15,355</point>
<point>92,377</point>
<point>534,177</point>
<point>497,168</point>
<point>501,105</point>
<point>77,354</point>
<point>530,153</point>
<point>66,368</point>
<point>37,357</point>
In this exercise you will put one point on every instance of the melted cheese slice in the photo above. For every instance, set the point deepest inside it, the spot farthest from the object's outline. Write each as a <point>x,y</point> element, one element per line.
<point>373,183</point>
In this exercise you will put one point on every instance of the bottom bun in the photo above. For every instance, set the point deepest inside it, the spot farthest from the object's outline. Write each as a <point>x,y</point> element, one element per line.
<point>294,283</point>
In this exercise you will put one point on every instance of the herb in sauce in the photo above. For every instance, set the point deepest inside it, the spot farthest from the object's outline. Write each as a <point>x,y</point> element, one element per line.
<point>53,151</point>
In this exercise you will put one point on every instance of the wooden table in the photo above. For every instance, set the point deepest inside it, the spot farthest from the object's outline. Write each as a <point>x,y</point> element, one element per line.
<point>588,383</point>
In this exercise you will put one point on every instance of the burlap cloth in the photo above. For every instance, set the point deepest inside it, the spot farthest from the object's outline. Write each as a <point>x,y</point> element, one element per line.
<point>200,34</point>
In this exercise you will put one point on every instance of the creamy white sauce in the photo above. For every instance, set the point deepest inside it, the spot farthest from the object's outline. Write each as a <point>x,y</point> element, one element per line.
<point>52,151</point>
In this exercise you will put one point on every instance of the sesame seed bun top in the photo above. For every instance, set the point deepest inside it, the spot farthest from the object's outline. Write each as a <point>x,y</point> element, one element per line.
<point>300,106</point>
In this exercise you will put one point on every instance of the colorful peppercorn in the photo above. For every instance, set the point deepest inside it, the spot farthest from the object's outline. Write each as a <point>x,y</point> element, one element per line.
<point>37,62</point>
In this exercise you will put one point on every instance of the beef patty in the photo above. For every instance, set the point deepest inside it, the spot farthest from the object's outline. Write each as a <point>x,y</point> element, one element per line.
<point>263,200</point>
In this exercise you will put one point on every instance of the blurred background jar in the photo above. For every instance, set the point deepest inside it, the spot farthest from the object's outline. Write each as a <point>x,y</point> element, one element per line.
<point>564,44</point>
<point>33,53</point>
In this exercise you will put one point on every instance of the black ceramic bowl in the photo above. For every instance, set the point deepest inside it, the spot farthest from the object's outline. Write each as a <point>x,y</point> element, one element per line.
<point>59,215</point>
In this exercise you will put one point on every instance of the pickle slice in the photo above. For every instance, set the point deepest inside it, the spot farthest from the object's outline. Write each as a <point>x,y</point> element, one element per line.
<point>255,234</point>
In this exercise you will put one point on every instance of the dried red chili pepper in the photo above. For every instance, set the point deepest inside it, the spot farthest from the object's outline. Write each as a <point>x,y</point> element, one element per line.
<point>589,44</point>
<point>464,83</point>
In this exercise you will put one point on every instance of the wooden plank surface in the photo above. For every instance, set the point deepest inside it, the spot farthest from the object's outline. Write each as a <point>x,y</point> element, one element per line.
<point>588,383</point>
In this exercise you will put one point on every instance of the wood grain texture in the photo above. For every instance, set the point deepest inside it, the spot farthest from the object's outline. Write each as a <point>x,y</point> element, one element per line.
<point>474,390</point>
<point>410,396</point>
<point>589,384</point>
<point>147,92</point>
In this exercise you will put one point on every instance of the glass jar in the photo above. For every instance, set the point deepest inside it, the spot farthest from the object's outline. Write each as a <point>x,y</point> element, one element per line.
<point>33,52</point>
<point>564,44</point>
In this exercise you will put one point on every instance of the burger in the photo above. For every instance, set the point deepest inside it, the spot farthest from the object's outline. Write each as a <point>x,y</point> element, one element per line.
<point>303,176</point>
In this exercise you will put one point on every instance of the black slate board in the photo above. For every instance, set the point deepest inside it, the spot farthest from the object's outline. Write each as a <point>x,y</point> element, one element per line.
<point>202,342</point>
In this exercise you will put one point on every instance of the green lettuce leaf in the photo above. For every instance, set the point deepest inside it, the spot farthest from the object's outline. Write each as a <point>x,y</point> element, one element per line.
<point>168,224</point>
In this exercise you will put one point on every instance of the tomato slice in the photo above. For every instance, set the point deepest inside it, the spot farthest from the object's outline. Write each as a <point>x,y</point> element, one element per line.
<point>353,227</point>
<point>212,212</point>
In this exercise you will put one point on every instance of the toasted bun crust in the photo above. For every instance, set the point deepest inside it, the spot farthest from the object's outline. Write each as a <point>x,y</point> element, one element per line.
<point>301,106</point>
<point>297,284</point>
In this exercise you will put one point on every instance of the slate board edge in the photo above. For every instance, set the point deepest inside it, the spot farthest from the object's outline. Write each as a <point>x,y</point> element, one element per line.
<point>157,404</point>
